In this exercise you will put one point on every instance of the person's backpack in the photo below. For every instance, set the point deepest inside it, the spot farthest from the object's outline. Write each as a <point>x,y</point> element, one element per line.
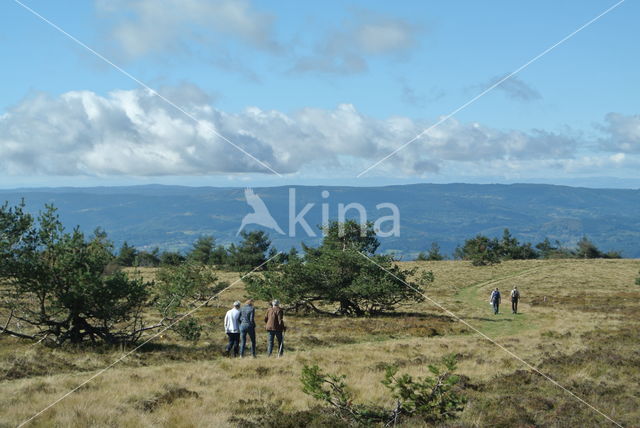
<point>516,294</point>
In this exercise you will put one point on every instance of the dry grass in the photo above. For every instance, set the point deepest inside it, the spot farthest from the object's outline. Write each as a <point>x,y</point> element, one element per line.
<point>579,323</point>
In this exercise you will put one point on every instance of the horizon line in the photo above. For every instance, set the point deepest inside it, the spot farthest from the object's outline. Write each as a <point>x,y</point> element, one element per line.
<point>267,186</point>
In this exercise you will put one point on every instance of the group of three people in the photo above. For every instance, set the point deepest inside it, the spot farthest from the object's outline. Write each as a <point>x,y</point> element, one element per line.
<point>496,298</point>
<point>239,322</point>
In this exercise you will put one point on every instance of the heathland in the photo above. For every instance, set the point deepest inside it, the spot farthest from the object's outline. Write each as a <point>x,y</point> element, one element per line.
<point>578,324</point>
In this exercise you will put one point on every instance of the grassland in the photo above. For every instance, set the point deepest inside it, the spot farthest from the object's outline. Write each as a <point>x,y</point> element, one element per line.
<point>578,324</point>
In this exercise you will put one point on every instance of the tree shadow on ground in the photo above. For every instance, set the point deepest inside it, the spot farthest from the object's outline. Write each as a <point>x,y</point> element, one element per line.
<point>489,319</point>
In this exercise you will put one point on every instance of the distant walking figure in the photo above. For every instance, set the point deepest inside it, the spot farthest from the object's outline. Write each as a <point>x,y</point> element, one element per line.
<point>515,296</point>
<point>495,300</point>
<point>231,327</point>
<point>248,326</point>
<point>274,320</point>
<point>260,215</point>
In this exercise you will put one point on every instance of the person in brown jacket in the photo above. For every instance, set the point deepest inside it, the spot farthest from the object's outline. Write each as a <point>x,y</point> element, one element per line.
<point>274,320</point>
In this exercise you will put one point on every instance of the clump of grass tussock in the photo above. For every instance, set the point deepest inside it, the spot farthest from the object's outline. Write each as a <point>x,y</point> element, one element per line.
<point>33,362</point>
<point>167,396</point>
<point>261,414</point>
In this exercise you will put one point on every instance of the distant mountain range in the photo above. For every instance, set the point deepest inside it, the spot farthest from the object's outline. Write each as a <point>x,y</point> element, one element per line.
<point>172,217</point>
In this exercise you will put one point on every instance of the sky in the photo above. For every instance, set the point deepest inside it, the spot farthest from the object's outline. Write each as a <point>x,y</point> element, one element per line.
<point>256,93</point>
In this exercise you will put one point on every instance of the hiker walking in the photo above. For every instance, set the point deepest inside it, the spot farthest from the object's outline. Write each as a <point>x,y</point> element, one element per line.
<point>274,320</point>
<point>248,326</point>
<point>231,327</point>
<point>495,300</point>
<point>515,296</point>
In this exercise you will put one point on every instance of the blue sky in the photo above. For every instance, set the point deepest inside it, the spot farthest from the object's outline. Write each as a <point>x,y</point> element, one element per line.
<point>319,91</point>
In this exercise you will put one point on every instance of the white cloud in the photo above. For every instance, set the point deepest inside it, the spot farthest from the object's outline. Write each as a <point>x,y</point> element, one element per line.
<point>135,133</point>
<point>211,29</point>
<point>142,27</point>
<point>383,35</point>
<point>622,133</point>
<point>346,50</point>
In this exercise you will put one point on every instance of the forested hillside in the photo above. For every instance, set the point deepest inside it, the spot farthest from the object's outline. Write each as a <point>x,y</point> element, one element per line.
<point>172,217</point>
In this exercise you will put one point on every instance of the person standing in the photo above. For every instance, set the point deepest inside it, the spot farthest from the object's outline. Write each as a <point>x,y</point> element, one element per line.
<point>515,296</point>
<point>274,320</point>
<point>231,327</point>
<point>248,326</point>
<point>495,300</point>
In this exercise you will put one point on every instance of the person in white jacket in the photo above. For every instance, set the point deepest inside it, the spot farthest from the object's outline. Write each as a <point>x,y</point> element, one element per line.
<point>232,328</point>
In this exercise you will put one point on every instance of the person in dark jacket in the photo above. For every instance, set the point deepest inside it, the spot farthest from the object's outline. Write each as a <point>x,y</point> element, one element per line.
<point>274,323</point>
<point>248,326</point>
<point>495,300</point>
<point>515,297</point>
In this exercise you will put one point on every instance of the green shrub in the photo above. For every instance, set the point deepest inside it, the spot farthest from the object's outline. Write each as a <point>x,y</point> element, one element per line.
<point>62,284</point>
<point>343,272</point>
<point>432,399</point>
<point>177,285</point>
<point>481,251</point>
<point>189,329</point>
<point>434,254</point>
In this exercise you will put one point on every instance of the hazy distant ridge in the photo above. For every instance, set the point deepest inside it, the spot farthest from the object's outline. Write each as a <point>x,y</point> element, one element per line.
<point>173,216</point>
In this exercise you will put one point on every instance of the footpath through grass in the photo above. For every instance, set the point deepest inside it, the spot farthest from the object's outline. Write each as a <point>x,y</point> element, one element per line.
<point>475,297</point>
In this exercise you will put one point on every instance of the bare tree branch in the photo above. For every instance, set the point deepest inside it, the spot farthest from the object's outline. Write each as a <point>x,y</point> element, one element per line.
<point>6,330</point>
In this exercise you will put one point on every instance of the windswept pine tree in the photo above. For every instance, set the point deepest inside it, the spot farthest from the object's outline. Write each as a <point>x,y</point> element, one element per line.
<point>344,275</point>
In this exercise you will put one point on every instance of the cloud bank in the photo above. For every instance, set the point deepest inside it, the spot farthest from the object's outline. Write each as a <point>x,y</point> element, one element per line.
<point>134,133</point>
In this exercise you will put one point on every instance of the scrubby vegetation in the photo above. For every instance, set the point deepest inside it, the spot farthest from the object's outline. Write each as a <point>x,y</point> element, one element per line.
<point>59,283</point>
<point>66,288</point>
<point>432,399</point>
<point>433,254</point>
<point>482,250</point>
<point>342,276</point>
<point>253,250</point>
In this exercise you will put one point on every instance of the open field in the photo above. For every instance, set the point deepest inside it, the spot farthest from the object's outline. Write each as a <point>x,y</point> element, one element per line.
<point>579,324</point>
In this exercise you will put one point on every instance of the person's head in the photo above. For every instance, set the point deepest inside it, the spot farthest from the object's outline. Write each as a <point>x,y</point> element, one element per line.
<point>249,302</point>
<point>496,288</point>
<point>236,304</point>
<point>275,303</point>
<point>515,288</point>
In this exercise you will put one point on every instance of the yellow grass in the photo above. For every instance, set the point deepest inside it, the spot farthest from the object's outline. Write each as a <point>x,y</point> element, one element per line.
<point>561,301</point>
